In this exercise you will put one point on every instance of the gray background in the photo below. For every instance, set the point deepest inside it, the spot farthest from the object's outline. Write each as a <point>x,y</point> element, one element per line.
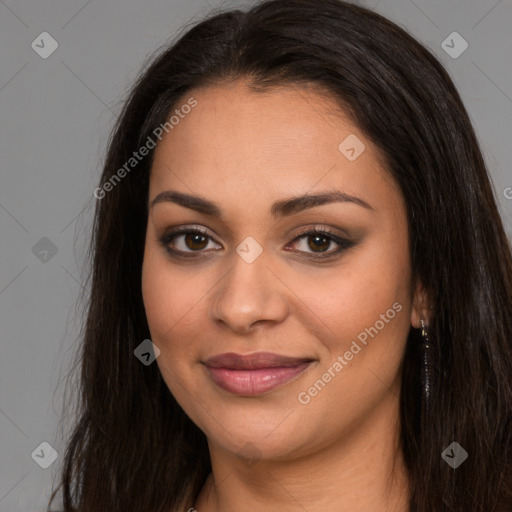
<point>56,114</point>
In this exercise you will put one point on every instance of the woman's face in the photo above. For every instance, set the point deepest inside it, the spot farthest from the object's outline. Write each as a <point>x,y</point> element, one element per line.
<point>339,307</point>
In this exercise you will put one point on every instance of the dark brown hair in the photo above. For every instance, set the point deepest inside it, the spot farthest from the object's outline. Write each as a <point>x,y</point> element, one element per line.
<point>133,448</point>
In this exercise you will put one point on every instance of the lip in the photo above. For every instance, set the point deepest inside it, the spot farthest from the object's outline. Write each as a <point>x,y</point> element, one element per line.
<point>254,374</point>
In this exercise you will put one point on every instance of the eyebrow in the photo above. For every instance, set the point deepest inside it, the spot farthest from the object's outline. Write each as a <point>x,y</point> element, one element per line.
<point>279,209</point>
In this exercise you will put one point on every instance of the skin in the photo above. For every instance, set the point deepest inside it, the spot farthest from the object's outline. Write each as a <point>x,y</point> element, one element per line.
<point>244,151</point>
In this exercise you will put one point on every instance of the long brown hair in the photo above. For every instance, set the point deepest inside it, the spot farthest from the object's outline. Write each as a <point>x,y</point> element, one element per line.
<point>133,448</point>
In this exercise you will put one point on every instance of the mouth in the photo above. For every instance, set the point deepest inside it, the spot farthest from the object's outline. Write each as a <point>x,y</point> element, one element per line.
<point>254,374</point>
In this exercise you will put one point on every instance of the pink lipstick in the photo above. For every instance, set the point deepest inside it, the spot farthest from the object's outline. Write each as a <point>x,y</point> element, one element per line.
<point>254,374</point>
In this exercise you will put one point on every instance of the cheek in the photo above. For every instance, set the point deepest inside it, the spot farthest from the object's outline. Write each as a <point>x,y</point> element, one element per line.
<point>352,297</point>
<point>157,294</point>
<point>363,317</point>
<point>172,306</point>
<point>377,313</point>
<point>168,296</point>
<point>366,306</point>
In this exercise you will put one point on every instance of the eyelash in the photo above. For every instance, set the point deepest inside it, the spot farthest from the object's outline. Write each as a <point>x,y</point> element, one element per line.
<point>343,243</point>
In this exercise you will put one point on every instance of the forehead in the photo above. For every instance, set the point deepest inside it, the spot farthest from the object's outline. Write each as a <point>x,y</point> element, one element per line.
<point>237,144</point>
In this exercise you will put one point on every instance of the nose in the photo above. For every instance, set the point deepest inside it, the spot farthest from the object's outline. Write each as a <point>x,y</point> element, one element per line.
<point>249,294</point>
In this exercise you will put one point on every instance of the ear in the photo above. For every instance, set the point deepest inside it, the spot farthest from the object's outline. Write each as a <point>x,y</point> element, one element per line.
<point>420,306</point>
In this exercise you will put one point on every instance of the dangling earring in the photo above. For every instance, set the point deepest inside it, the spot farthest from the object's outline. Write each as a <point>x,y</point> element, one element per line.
<point>426,368</point>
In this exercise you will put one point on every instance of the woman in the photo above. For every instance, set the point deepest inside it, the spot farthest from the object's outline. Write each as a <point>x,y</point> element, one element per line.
<point>302,290</point>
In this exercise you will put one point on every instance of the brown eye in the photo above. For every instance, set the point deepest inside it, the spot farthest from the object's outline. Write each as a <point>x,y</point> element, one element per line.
<point>186,241</point>
<point>195,241</point>
<point>318,241</point>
